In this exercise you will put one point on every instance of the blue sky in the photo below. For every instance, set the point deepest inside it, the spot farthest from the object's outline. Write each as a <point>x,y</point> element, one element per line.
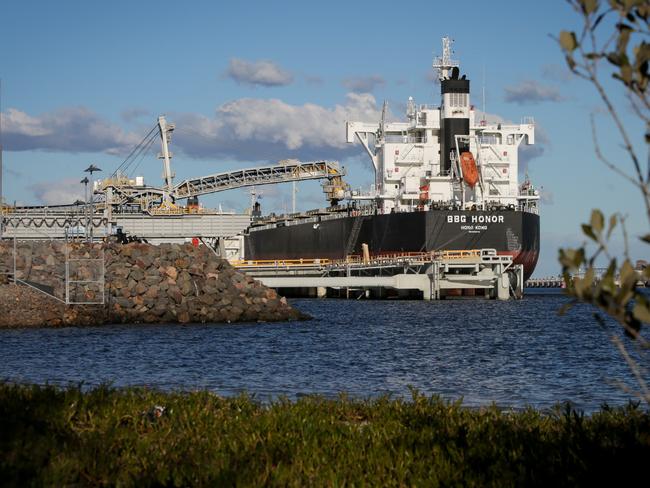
<point>252,82</point>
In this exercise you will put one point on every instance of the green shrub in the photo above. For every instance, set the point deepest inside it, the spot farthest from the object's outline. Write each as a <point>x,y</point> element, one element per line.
<point>113,437</point>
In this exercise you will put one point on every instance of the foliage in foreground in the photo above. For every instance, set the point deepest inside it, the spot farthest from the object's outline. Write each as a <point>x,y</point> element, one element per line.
<point>612,41</point>
<point>107,436</point>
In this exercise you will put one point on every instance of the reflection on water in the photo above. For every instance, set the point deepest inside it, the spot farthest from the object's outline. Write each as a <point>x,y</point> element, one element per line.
<point>513,353</point>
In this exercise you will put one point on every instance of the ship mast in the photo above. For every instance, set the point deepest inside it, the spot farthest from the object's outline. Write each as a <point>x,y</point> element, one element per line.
<point>444,63</point>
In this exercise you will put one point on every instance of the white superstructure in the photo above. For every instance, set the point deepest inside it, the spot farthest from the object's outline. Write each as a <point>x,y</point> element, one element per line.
<point>409,157</point>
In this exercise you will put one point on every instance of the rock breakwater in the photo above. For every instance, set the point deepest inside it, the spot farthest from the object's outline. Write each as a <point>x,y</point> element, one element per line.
<point>140,283</point>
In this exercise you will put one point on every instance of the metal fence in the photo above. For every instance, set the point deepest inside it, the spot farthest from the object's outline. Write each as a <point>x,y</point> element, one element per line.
<point>78,273</point>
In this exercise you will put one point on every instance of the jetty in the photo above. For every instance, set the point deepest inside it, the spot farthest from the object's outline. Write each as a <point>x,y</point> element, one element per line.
<point>429,276</point>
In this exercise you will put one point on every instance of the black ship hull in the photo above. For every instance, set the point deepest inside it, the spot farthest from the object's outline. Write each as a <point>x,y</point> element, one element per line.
<point>510,232</point>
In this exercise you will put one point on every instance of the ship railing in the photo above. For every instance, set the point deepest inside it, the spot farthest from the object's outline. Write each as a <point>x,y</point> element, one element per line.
<point>387,257</point>
<point>177,211</point>
<point>279,263</point>
<point>466,255</point>
<point>527,207</point>
<point>404,139</point>
<point>411,257</point>
<point>488,139</point>
<point>312,218</point>
<point>460,254</point>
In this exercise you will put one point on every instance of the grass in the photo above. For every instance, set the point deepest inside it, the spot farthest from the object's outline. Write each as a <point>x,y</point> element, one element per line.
<point>106,436</point>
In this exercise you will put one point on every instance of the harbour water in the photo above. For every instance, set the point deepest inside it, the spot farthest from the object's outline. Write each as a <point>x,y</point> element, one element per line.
<point>514,353</point>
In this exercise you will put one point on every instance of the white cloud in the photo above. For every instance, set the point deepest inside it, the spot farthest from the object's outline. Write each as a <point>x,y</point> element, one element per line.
<point>246,129</point>
<point>556,72</point>
<point>10,171</point>
<point>489,118</point>
<point>530,91</point>
<point>75,129</point>
<point>432,77</point>
<point>364,84</point>
<point>250,129</point>
<point>136,113</point>
<point>526,153</point>
<point>264,73</point>
<point>546,196</point>
<point>58,192</point>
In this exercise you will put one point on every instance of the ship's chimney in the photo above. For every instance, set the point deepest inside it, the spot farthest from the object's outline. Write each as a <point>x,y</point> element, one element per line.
<point>455,116</point>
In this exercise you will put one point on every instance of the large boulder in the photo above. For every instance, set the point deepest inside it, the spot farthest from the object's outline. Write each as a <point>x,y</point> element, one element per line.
<point>143,284</point>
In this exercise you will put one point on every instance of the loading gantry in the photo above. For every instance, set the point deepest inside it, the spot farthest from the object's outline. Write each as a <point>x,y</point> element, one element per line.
<point>119,191</point>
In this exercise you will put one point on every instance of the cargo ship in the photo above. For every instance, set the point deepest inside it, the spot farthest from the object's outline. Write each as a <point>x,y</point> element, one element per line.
<point>445,179</point>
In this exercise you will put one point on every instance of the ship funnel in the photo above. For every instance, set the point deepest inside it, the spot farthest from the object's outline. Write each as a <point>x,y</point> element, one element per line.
<point>455,117</point>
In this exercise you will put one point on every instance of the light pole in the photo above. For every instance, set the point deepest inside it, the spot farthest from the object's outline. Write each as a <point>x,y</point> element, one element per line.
<point>85,182</point>
<point>90,169</point>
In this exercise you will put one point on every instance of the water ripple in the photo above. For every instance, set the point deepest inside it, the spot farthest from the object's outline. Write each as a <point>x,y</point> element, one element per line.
<point>513,353</point>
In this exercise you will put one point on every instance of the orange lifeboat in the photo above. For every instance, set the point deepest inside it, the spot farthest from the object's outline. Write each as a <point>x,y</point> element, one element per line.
<point>470,171</point>
<point>424,192</point>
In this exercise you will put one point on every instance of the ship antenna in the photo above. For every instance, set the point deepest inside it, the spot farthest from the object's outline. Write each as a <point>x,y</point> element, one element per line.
<point>444,63</point>
<point>484,116</point>
<point>253,197</point>
<point>383,117</point>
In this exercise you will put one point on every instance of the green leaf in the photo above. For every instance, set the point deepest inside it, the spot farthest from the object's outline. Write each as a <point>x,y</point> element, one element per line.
<point>642,52</point>
<point>641,312</point>
<point>613,220</point>
<point>624,32</point>
<point>571,259</point>
<point>643,11</point>
<point>568,41</point>
<point>626,74</point>
<point>597,221</point>
<point>589,6</point>
<point>589,275</point>
<point>614,59</point>
<point>631,3</point>
<point>583,285</point>
<point>611,268</point>
<point>627,272</point>
<point>570,62</point>
<point>607,279</point>
<point>588,231</point>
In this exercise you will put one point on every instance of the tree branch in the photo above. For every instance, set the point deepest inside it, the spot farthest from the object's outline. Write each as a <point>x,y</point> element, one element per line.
<point>602,158</point>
